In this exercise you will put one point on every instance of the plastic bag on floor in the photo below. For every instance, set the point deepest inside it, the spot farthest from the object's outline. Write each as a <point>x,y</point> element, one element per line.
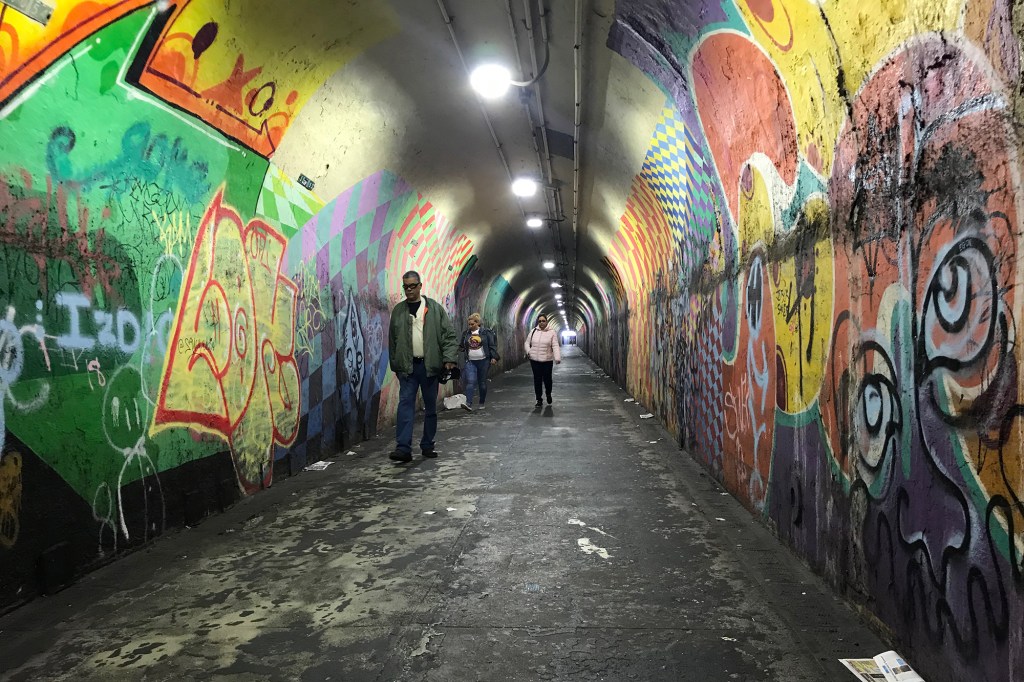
<point>455,401</point>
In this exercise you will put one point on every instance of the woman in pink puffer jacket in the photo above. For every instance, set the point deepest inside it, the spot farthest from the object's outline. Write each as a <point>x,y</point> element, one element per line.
<point>544,351</point>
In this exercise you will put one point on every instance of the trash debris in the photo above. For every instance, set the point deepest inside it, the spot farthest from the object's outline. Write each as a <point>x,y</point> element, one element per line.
<point>719,518</point>
<point>451,509</point>
<point>590,548</point>
<point>888,666</point>
<point>350,452</point>
<point>730,639</point>
<point>253,521</point>
<point>647,416</point>
<point>428,513</point>
<point>318,466</point>
<point>576,522</point>
<point>455,401</point>
<point>629,400</point>
<point>652,442</point>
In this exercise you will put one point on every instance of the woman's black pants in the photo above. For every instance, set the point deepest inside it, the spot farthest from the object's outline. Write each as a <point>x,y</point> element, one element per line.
<point>542,374</point>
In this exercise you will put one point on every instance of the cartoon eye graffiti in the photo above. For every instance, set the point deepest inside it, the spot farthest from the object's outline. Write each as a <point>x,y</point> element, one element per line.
<point>877,413</point>
<point>960,308</point>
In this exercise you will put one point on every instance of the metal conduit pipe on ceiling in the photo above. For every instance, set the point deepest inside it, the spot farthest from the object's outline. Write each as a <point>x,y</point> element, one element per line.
<point>578,91</point>
<point>546,164</point>
<point>483,110</point>
<point>526,103</point>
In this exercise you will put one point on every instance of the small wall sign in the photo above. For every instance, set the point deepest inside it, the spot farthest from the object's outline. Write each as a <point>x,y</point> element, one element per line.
<point>306,182</point>
<point>33,9</point>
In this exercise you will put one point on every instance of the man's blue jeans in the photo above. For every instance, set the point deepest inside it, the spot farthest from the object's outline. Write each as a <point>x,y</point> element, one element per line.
<point>476,377</point>
<point>409,384</point>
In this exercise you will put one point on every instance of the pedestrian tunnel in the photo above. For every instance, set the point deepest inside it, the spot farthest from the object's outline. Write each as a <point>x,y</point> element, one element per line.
<point>786,232</point>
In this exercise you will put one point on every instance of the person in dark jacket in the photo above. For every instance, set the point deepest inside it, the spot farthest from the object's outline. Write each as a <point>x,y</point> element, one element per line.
<point>480,350</point>
<point>421,345</point>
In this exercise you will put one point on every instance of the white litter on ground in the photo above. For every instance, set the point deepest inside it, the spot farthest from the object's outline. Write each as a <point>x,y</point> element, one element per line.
<point>455,401</point>
<point>590,548</point>
<point>582,524</point>
<point>318,466</point>
<point>629,400</point>
<point>646,416</point>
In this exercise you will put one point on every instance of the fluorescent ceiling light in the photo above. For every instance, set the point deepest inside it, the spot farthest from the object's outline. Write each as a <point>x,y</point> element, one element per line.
<point>548,265</point>
<point>491,80</point>
<point>556,285</point>
<point>534,222</point>
<point>524,187</point>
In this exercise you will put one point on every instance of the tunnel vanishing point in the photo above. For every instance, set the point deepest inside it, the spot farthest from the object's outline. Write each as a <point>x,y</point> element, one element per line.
<point>789,228</point>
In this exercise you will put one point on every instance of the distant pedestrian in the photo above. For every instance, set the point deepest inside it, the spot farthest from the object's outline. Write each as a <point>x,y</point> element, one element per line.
<point>421,345</point>
<point>480,348</point>
<point>544,351</point>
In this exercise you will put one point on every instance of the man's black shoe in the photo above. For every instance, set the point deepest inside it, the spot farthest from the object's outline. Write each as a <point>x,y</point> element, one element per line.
<point>549,400</point>
<point>539,403</point>
<point>430,454</point>
<point>399,456</point>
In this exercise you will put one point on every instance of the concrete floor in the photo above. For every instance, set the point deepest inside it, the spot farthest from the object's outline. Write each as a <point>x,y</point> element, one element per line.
<point>485,564</point>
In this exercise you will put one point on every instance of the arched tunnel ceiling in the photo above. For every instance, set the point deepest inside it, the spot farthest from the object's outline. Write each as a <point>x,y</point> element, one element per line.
<point>405,105</point>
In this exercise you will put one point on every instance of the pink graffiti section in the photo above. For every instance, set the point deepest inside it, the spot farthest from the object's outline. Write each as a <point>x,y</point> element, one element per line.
<point>242,381</point>
<point>744,109</point>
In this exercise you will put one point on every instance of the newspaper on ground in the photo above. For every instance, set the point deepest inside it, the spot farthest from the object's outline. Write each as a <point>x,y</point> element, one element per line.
<point>885,667</point>
<point>896,669</point>
<point>319,466</point>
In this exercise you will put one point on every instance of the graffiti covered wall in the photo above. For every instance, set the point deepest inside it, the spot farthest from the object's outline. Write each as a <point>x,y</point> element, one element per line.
<point>837,315</point>
<point>194,321</point>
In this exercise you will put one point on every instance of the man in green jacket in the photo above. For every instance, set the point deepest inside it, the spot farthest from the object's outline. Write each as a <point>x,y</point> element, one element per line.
<point>421,345</point>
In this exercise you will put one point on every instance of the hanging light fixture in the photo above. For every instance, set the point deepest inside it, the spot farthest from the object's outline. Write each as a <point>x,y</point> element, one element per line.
<point>491,80</point>
<point>524,187</point>
<point>534,222</point>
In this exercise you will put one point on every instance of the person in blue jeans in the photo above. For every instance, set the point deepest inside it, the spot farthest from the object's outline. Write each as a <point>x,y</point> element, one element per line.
<point>421,345</point>
<point>480,350</point>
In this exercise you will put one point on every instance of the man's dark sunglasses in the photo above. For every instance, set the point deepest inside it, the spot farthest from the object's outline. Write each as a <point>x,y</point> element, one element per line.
<point>410,287</point>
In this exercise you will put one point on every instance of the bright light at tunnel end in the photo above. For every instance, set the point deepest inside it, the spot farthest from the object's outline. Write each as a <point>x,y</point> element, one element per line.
<point>524,187</point>
<point>491,80</point>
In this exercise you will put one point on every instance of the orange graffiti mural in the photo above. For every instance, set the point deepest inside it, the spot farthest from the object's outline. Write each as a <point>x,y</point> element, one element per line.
<point>27,48</point>
<point>210,61</point>
<point>242,381</point>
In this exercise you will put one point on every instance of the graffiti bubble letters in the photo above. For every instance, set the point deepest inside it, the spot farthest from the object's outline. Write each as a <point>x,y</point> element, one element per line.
<point>246,388</point>
<point>119,330</point>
